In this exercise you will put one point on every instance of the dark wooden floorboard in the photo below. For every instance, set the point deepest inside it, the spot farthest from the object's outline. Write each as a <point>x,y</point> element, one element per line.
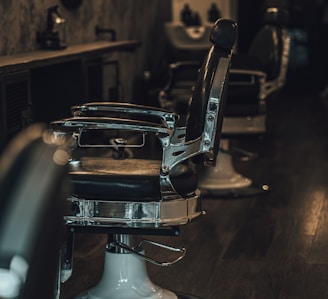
<point>263,247</point>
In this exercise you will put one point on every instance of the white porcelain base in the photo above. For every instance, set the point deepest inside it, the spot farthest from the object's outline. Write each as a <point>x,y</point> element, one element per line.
<point>125,277</point>
<point>223,175</point>
<point>224,181</point>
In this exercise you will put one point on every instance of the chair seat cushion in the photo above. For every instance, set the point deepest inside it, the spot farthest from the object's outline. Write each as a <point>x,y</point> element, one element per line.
<point>128,179</point>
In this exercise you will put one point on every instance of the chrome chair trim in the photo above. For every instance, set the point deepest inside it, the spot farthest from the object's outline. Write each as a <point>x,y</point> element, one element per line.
<point>102,213</point>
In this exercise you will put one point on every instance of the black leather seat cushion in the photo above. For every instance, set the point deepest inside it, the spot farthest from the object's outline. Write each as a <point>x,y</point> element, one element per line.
<point>126,180</point>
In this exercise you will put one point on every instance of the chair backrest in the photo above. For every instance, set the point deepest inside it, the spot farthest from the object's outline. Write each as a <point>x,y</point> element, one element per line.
<point>269,44</point>
<point>223,37</point>
<point>32,193</point>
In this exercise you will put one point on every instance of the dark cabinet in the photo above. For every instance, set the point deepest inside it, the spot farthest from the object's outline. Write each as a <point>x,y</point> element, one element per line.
<point>42,86</point>
<point>15,104</point>
<point>55,88</point>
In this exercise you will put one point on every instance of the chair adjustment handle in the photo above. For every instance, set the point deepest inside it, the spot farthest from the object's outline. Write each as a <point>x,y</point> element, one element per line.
<point>137,250</point>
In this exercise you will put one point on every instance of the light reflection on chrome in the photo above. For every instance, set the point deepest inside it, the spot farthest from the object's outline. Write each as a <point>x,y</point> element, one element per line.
<point>132,214</point>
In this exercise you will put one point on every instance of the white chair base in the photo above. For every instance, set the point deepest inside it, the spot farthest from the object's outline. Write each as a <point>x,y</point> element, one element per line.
<point>125,276</point>
<point>224,180</point>
<point>223,175</point>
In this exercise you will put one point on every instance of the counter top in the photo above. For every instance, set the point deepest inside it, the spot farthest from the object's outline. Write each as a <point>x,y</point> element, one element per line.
<point>40,58</point>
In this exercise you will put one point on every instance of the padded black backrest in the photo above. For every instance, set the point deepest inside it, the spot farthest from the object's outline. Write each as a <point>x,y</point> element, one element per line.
<point>32,193</point>
<point>267,45</point>
<point>223,37</point>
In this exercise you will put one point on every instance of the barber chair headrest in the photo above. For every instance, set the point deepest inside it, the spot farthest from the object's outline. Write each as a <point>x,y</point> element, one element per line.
<point>223,36</point>
<point>276,16</point>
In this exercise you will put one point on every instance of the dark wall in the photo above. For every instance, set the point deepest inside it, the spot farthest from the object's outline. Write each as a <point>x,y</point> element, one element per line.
<point>132,19</point>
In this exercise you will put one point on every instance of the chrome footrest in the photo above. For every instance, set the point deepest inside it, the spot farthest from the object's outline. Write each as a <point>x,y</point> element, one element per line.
<point>132,214</point>
<point>138,250</point>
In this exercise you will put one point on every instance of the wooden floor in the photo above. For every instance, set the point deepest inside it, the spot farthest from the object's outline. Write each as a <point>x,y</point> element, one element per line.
<point>267,247</point>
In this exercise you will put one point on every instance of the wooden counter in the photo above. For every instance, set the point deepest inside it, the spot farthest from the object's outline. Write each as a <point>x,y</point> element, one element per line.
<point>39,58</point>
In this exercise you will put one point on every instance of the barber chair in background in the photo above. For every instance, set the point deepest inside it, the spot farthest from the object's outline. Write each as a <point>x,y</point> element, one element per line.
<point>175,95</point>
<point>33,187</point>
<point>255,79</point>
<point>128,197</point>
<point>187,43</point>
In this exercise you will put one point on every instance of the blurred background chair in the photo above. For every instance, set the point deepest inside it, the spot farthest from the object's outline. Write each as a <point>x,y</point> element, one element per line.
<point>33,187</point>
<point>255,78</point>
<point>175,95</point>
<point>259,75</point>
<point>127,197</point>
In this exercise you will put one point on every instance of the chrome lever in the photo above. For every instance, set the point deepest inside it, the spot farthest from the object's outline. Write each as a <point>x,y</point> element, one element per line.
<point>136,250</point>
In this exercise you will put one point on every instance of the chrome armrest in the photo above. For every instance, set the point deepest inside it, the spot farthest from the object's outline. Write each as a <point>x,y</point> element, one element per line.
<point>76,126</point>
<point>184,64</point>
<point>103,123</point>
<point>168,118</point>
<point>249,75</point>
<point>252,77</point>
<point>267,87</point>
<point>173,142</point>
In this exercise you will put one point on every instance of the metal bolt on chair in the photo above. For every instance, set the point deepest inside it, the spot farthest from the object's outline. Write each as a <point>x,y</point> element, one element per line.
<point>125,197</point>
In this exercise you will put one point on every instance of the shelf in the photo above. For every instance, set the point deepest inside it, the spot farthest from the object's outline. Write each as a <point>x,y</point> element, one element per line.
<point>39,58</point>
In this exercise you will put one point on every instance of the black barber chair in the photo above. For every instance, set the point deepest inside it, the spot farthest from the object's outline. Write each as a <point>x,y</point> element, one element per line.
<point>255,79</point>
<point>127,197</point>
<point>258,76</point>
<point>33,189</point>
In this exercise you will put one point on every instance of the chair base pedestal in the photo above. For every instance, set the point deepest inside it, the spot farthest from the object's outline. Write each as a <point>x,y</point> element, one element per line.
<point>125,276</point>
<point>224,181</point>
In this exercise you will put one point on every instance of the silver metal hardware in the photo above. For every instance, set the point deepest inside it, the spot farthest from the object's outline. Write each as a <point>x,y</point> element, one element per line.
<point>138,249</point>
<point>132,214</point>
<point>119,141</point>
<point>66,259</point>
<point>213,106</point>
<point>169,118</point>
